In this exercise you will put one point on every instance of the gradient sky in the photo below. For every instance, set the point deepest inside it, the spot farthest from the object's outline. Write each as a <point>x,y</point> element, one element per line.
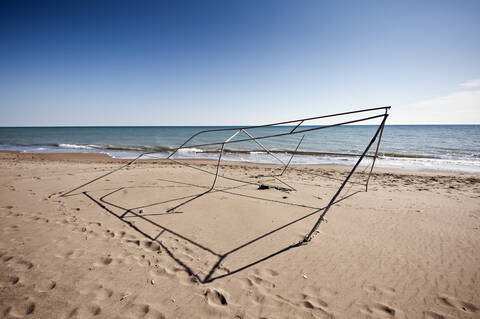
<point>236,62</point>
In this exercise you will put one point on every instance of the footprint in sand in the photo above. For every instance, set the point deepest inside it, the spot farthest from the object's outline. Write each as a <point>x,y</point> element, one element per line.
<point>263,282</point>
<point>315,290</point>
<point>104,261</point>
<point>95,224</point>
<point>215,297</point>
<point>45,285</point>
<point>313,302</point>
<point>11,260</point>
<point>178,273</point>
<point>432,315</point>
<point>139,310</point>
<point>20,310</point>
<point>102,293</point>
<point>133,242</point>
<point>379,290</point>
<point>108,234</point>
<point>9,280</point>
<point>381,310</point>
<point>84,312</point>
<point>10,229</point>
<point>320,311</point>
<point>457,304</point>
<point>72,254</point>
<point>152,246</point>
<point>265,272</point>
<point>13,280</point>
<point>39,219</point>
<point>99,291</point>
<point>246,283</point>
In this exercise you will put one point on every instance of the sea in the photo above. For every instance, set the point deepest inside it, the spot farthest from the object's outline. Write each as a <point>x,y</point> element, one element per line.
<point>454,148</point>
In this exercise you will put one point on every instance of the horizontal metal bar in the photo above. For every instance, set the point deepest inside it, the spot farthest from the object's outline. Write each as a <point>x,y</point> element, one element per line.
<point>386,108</point>
<point>284,134</point>
<point>295,121</point>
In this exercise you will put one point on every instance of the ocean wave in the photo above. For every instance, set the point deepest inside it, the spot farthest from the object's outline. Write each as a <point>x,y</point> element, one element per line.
<point>405,155</point>
<point>139,148</point>
<point>76,146</point>
<point>193,150</point>
<point>190,150</point>
<point>118,150</point>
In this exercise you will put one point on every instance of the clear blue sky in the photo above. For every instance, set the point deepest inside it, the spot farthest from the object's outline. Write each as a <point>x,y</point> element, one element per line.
<point>236,62</point>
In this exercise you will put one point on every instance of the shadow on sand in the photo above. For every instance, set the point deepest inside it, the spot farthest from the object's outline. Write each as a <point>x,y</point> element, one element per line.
<point>126,215</point>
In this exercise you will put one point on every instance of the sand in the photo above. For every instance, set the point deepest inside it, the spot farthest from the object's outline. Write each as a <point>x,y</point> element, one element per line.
<point>407,248</point>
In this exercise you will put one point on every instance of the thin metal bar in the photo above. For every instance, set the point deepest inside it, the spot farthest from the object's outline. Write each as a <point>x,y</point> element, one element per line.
<point>296,126</point>
<point>375,156</point>
<point>321,218</point>
<point>206,192</point>
<point>261,145</point>
<point>293,121</point>
<point>230,138</point>
<point>181,146</point>
<point>285,168</point>
<point>284,134</point>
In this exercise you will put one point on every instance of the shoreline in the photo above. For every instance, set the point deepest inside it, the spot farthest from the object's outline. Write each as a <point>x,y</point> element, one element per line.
<point>105,158</point>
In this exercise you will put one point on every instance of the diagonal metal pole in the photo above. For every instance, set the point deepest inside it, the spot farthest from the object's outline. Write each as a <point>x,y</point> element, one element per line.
<point>214,180</point>
<point>294,152</point>
<point>286,166</point>
<point>376,152</point>
<point>300,123</point>
<point>261,145</point>
<point>273,155</point>
<point>332,201</point>
<point>207,191</point>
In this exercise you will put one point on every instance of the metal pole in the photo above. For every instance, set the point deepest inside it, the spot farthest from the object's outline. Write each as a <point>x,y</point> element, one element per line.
<point>321,218</point>
<point>375,156</point>
<point>214,180</point>
<point>206,192</point>
<point>285,168</point>
<point>261,145</point>
<point>300,123</point>
<point>281,134</point>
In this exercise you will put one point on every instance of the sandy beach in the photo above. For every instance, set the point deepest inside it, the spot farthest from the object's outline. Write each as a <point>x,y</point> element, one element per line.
<point>407,248</point>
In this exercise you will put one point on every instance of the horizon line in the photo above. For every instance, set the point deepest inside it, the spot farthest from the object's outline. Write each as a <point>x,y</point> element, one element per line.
<point>240,125</point>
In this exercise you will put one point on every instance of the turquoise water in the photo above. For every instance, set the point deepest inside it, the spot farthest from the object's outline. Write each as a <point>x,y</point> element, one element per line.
<point>432,147</point>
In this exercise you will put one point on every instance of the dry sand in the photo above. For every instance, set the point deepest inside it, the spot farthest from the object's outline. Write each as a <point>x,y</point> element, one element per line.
<point>407,248</point>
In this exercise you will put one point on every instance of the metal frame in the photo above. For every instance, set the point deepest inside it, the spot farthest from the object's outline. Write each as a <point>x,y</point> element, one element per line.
<point>296,130</point>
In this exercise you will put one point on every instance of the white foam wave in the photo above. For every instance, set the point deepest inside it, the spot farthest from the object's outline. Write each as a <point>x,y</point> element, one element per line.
<point>189,150</point>
<point>76,146</point>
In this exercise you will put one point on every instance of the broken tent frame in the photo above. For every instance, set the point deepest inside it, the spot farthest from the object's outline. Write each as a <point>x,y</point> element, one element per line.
<point>298,129</point>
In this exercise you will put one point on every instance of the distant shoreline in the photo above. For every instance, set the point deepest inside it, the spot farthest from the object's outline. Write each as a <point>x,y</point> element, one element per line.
<point>102,158</point>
